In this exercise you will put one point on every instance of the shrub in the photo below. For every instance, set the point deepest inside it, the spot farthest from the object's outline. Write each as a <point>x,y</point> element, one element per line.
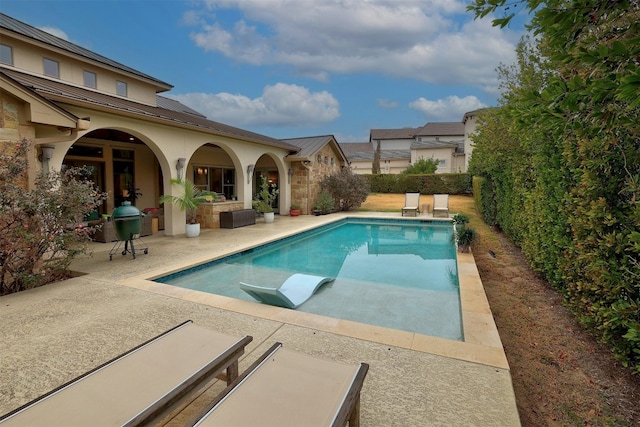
<point>325,203</point>
<point>348,189</point>
<point>423,166</point>
<point>39,228</point>
<point>441,183</point>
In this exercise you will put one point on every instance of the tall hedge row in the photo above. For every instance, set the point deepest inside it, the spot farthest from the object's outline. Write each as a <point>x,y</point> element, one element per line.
<point>560,160</point>
<point>445,183</point>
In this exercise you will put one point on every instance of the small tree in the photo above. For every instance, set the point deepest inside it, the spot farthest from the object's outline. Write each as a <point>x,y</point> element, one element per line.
<point>422,166</point>
<point>348,189</point>
<point>266,197</point>
<point>375,167</point>
<point>189,199</point>
<point>40,231</point>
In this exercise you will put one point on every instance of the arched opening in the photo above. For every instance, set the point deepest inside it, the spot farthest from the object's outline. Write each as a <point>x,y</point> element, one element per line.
<point>266,167</point>
<point>212,169</point>
<point>121,165</point>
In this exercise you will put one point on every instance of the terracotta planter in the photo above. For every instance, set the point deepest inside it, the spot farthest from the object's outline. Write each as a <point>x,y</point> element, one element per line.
<point>294,212</point>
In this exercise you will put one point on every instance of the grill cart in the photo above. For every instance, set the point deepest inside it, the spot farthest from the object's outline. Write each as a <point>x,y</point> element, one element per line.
<point>127,221</point>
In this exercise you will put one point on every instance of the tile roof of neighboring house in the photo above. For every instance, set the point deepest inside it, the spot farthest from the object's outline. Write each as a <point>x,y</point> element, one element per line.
<point>33,33</point>
<point>59,92</point>
<point>441,129</point>
<point>404,133</point>
<point>355,147</point>
<point>384,155</point>
<point>310,145</point>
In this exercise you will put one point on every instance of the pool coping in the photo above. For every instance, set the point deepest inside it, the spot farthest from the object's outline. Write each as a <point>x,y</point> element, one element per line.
<point>482,342</point>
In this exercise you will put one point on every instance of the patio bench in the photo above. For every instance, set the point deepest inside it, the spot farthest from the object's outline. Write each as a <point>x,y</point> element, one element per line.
<point>239,218</point>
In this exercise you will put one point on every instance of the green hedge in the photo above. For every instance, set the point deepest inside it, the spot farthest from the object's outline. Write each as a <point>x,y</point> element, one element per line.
<point>442,183</point>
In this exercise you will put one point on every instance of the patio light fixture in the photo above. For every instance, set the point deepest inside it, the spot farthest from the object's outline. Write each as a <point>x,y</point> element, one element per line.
<point>249,172</point>
<point>180,166</point>
<point>46,153</point>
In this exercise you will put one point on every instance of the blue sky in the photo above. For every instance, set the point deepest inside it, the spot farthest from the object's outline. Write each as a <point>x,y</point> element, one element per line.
<point>294,68</point>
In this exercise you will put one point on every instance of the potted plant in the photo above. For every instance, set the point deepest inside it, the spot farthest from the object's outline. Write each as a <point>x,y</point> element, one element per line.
<point>459,221</point>
<point>464,238</point>
<point>324,203</point>
<point>188,201</point>
<point>294,210</point>
<point>265,199</point>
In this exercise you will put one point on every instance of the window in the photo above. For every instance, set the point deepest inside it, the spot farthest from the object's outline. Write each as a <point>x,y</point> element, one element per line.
<point>90,79</point>
<point>442,162</point>
<point>51,68</point>
<point>6,54</point>
<point>216,179</point>
<point>121,88</point>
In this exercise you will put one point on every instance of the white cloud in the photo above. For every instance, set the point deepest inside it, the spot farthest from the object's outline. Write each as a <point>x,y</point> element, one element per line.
<point>280,105</point>
<point>434,41</point>
<point>450,109</point>
<point>56,32</point>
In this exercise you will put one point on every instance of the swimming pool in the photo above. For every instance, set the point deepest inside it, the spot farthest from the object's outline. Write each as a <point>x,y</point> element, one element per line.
<point>396,274</point>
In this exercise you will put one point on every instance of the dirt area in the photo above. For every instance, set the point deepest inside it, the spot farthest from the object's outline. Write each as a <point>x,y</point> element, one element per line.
<point>561,375</point>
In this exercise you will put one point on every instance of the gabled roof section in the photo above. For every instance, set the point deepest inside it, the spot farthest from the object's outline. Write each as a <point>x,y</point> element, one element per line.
<point>33,33</point>
<point>404,133</point>
<point>350,148</point>
<point>441,129</point>
<point>58,92</point>
<point>41,110</point>
<point>309,146</point>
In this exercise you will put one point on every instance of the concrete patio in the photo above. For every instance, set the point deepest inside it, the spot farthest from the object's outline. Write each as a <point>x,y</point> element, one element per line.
<point>52,334</point>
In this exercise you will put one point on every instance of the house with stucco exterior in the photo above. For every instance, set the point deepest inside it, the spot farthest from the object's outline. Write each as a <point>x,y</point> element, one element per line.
<point>447,142</point>
<point>79,108</point>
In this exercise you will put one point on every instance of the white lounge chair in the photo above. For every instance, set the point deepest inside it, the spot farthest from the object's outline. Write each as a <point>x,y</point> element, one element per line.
<point>291,294</point>
<point>411,204</point>
<point>441,205</point>
<point>287,388</point>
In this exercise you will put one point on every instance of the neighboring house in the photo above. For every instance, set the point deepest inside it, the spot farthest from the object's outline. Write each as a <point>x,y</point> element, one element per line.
<point>80,108</point>
<point>361,158</point>
<point>318,157</point>
<point>470,124</point>
<point>442,141</point>
<point>447,142</point>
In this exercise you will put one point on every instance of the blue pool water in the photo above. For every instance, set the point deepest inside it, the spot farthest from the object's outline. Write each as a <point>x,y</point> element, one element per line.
<point>396,274</point>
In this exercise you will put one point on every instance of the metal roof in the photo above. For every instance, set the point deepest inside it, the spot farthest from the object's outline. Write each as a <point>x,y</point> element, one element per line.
<point>172,104</point>
<point>58,92</point>
<point>33,33</point>
<point>424,145</point>
<point>384,155</point>
<point>312,144</point>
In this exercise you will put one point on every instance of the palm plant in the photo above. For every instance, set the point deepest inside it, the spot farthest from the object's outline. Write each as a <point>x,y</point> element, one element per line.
<point>190,198</point>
